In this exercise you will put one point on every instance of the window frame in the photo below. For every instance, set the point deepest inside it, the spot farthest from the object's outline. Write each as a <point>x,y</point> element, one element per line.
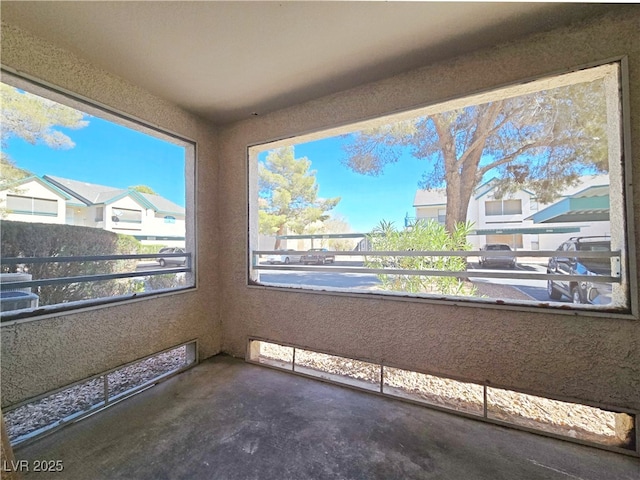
<point>32,210</point>
<point>108,113</point>
<point>623,187</point>
<point>502,203</point>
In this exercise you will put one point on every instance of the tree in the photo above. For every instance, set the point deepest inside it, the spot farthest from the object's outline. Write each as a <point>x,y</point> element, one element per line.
<point>542,141</point>
<point>34,118</point>
<point>143,189</point>
<point>9,172</point>
<point>288,194</point>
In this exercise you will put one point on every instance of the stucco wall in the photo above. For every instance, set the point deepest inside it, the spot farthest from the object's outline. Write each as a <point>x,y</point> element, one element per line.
<point>45,354</point>
<point>569,356</point>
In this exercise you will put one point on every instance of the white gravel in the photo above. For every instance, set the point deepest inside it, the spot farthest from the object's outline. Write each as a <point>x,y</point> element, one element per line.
<point>54,408</point>
<point>563,418</point>
<point>567,419</point>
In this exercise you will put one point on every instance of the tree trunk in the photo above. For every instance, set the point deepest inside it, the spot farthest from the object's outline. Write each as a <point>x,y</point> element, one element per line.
<point>278,239</point>
<point>461,174</point>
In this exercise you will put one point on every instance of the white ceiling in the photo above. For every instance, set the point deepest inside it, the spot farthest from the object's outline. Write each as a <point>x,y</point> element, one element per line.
<point>228,60</point>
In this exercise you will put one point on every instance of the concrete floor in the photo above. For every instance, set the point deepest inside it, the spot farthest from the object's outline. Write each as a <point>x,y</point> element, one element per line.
<point>225,419</point>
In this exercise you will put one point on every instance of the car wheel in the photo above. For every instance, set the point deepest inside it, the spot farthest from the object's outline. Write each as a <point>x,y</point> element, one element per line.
<point>552,292</point>
<point>575,296</point>
<point>287,261</point>
<point>162,262</point>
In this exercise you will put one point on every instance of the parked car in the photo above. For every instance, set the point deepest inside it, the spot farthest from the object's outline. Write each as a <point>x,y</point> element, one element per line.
<point>487,259</point>
<point>594,292</point>
<point>164,261</point>
<point>285,258</point>
<point>318,255</point>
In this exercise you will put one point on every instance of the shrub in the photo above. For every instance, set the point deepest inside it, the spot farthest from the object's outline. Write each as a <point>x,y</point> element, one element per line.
<point>22,239</point>
<point>422,236</point>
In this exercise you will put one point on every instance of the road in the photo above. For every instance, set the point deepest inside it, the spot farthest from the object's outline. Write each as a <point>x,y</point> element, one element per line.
<point>536,289</point>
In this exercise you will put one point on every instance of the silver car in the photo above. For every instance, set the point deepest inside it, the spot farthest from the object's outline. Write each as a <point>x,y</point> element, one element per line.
<point>164,261</point>
<point>284,258</point>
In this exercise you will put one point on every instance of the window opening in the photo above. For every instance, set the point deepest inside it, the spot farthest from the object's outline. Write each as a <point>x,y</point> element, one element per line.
<point>569,420</point>
<point>46,413</point>
<point>19,205</point>
<point>334,201</point>
<point>112,192</point>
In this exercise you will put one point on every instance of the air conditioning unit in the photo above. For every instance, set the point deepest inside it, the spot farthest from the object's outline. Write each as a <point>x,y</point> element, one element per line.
<point>15,300</point>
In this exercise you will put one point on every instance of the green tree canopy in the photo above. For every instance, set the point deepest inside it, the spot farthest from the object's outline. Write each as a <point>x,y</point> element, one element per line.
<point>9,172</point>
<point>143,189</point>
<point>288,194</point>
<point>34,118</point>
<point>542,141</point>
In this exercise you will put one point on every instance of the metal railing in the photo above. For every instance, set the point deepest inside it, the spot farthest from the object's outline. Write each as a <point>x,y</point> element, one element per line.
<point>21,264</point>
<point>390,270</point>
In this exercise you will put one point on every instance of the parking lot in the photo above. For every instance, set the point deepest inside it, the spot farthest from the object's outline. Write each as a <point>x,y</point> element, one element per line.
<point>535,290</point>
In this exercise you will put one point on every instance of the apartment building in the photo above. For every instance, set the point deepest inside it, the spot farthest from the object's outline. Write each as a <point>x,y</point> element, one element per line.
<point>519,220</point>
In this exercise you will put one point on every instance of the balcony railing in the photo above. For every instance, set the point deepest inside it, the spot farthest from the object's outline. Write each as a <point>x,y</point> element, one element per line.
<point>29,288</point>
<point>390,270</point>
<point>527,282</point>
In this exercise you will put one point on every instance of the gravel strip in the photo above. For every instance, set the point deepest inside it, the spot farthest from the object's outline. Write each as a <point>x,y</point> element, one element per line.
<point>79,398</point>
<point>567,419</point>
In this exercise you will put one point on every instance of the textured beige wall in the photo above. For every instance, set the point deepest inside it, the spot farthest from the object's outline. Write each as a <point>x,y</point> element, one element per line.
<point>570,356</point>
<point>42,355</point>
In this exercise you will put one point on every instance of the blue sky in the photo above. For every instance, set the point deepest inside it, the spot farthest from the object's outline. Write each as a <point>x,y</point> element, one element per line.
<point>108,154</point>
<point>365,200</point>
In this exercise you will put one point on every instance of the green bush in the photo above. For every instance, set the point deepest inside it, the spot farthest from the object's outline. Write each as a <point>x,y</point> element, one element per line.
<point>22,239</point>
<point>425,235</point>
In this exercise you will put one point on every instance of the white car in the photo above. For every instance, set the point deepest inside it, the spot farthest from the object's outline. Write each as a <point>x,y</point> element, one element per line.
<point>285,258</point>
<point>163,261</point>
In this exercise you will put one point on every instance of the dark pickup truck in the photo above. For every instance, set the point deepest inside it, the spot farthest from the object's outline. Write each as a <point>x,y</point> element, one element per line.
<point>318,255</point>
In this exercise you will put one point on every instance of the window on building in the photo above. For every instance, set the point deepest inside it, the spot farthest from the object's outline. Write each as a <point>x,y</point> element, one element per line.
<point>513,240</point>
<point>126,215</point>
<point>31,205</point>
<point>107,159</point>
<point>503,207</point>
<point>169,219</point>
<point>356,190</point>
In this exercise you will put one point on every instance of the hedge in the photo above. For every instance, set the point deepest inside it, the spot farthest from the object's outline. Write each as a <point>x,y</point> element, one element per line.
<point>22,239</point>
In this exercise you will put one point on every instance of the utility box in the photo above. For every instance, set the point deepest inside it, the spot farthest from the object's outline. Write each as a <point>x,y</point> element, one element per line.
<point>16,300</point>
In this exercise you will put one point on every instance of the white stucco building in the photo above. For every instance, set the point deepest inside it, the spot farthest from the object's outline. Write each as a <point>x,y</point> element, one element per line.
<point>519,220</point>
<point>149,218</point>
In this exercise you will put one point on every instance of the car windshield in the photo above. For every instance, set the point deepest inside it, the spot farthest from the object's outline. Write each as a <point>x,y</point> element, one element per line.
<point>498,247</point>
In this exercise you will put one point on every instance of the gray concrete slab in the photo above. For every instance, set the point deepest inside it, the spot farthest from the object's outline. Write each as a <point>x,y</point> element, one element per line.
<point>225,419</point>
